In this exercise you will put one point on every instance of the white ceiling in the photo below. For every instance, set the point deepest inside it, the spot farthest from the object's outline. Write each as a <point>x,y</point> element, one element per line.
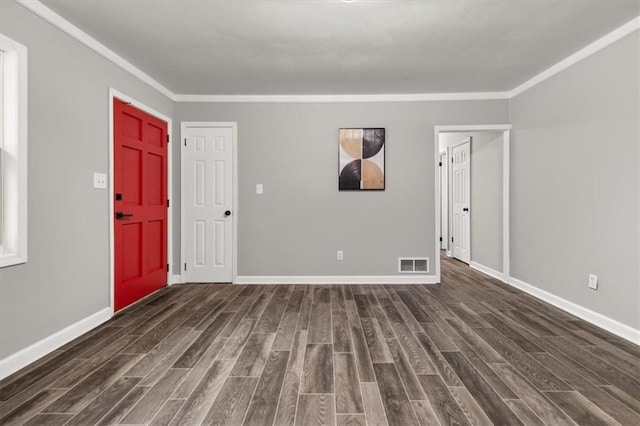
<point>336,47</point>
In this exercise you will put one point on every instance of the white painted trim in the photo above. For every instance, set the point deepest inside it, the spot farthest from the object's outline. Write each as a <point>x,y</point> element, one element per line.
<point>13,250</point>
<point>619,329</point>
<point>408,97</point>
<point>436,192</point>
<point>335,279</point>
<point>113,93</point>
<point>599,320</point>
<point>506,200</point>
<point>487,271</point>
<point>26,356</point>
<point>473,128</point>
<point>10,259</point>
<point>234,126</point>
<point>444,195</point>
<point>176,279</point>
<point>581,54</point>
<point>62,24</point>
<point>506,129</point>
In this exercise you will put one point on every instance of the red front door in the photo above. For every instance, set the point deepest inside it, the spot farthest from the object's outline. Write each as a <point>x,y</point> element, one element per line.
<point>140,204</point>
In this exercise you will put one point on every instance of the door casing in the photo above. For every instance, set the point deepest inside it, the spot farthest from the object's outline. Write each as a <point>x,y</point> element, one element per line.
<point>506,137</point>
<point>113,93</point>
<point>444,200</point>
<point>184,125</point>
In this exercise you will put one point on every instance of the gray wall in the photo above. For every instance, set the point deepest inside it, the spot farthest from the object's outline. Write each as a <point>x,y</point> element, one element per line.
<point>486,194</point>
<point>301,220</point>
<point>574,187</point>
<point>575,183</point>
<point>67,276</point>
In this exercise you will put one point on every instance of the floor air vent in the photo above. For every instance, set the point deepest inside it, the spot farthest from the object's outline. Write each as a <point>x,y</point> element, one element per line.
<point>413,265</point>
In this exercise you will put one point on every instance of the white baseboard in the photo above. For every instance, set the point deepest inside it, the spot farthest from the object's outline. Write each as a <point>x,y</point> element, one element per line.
<point>176,279</point>
<point>336,279</point>
<point>619,329</point>
<point>26,356</point>
<point>599,320</point>
<point>487,271</point>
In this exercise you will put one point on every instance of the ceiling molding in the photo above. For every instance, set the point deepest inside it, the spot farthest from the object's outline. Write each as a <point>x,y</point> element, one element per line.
<point>413,97</point>
<point>58,21</point>
<point>595,47</point>
<point>61,23</point>
<point>473,128</point>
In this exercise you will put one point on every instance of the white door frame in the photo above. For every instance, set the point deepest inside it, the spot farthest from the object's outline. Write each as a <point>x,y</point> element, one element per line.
<point>444,195</point>
<point>113,94</point>
<point>184,125</point>
<point>506,136</point>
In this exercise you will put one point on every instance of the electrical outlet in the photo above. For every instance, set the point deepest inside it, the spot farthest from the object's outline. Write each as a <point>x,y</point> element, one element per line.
<point>593,282</point>
<point>259,188</point>
<point>100,181</point>
<point>340,255</point>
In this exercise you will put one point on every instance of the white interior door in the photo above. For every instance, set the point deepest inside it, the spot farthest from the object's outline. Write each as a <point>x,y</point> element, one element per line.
<point>461,194</point>
<point>207,173</point>
<point>444,202</point>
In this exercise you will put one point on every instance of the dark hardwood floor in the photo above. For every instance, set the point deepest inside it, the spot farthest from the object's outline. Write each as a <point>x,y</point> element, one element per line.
<point>469,351</point>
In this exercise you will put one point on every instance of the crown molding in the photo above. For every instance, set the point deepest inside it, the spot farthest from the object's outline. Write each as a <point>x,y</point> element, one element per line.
<point>585,52</point>
<point>61,23</point>
<point>58,21</point>
<point>408,97</point>
<point>474,128</point>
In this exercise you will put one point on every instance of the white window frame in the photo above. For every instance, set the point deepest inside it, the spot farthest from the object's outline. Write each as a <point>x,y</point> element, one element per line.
<point>13,246</point>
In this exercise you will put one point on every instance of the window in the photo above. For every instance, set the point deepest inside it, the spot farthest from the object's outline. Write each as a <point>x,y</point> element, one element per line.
<point>13,152</point>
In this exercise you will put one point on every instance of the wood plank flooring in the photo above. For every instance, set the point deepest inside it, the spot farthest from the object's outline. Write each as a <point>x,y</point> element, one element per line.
<point>468,351</point>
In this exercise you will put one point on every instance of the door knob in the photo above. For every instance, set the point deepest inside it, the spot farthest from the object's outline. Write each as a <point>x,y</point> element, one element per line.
<point>227,213</point>
<point>121,215</point>
<point>465,209</point>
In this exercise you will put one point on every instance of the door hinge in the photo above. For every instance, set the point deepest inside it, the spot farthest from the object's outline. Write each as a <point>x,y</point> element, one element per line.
<point>185,266</point>
<point>451,239</point>
<point>167,267</point>
<point>452,160</point>
<point>168,202</point>
<point>185,141</point>
<point>440,164</point>
<point>440,239</point>
<point>168,139</point>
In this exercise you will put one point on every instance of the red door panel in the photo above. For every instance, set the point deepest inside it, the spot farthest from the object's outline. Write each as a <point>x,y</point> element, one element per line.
<point>140,188</point>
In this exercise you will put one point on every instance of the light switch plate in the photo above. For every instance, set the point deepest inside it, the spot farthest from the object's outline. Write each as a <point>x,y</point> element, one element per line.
<point>259,189</point>
<point>100,181</point>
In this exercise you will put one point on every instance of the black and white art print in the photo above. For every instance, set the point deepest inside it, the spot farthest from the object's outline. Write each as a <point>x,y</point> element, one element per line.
<point>361,159</point>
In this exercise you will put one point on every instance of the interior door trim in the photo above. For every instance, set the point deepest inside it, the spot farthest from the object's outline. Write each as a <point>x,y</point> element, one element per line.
<point>233,125</point>
<point>114,94</point>
<point>506,141</point>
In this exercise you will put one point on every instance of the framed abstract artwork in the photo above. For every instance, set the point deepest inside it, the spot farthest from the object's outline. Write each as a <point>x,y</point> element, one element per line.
<point>361,159</point>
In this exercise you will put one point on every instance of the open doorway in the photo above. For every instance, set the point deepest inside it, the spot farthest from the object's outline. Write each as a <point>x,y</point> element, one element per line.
<point>472,211</point>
